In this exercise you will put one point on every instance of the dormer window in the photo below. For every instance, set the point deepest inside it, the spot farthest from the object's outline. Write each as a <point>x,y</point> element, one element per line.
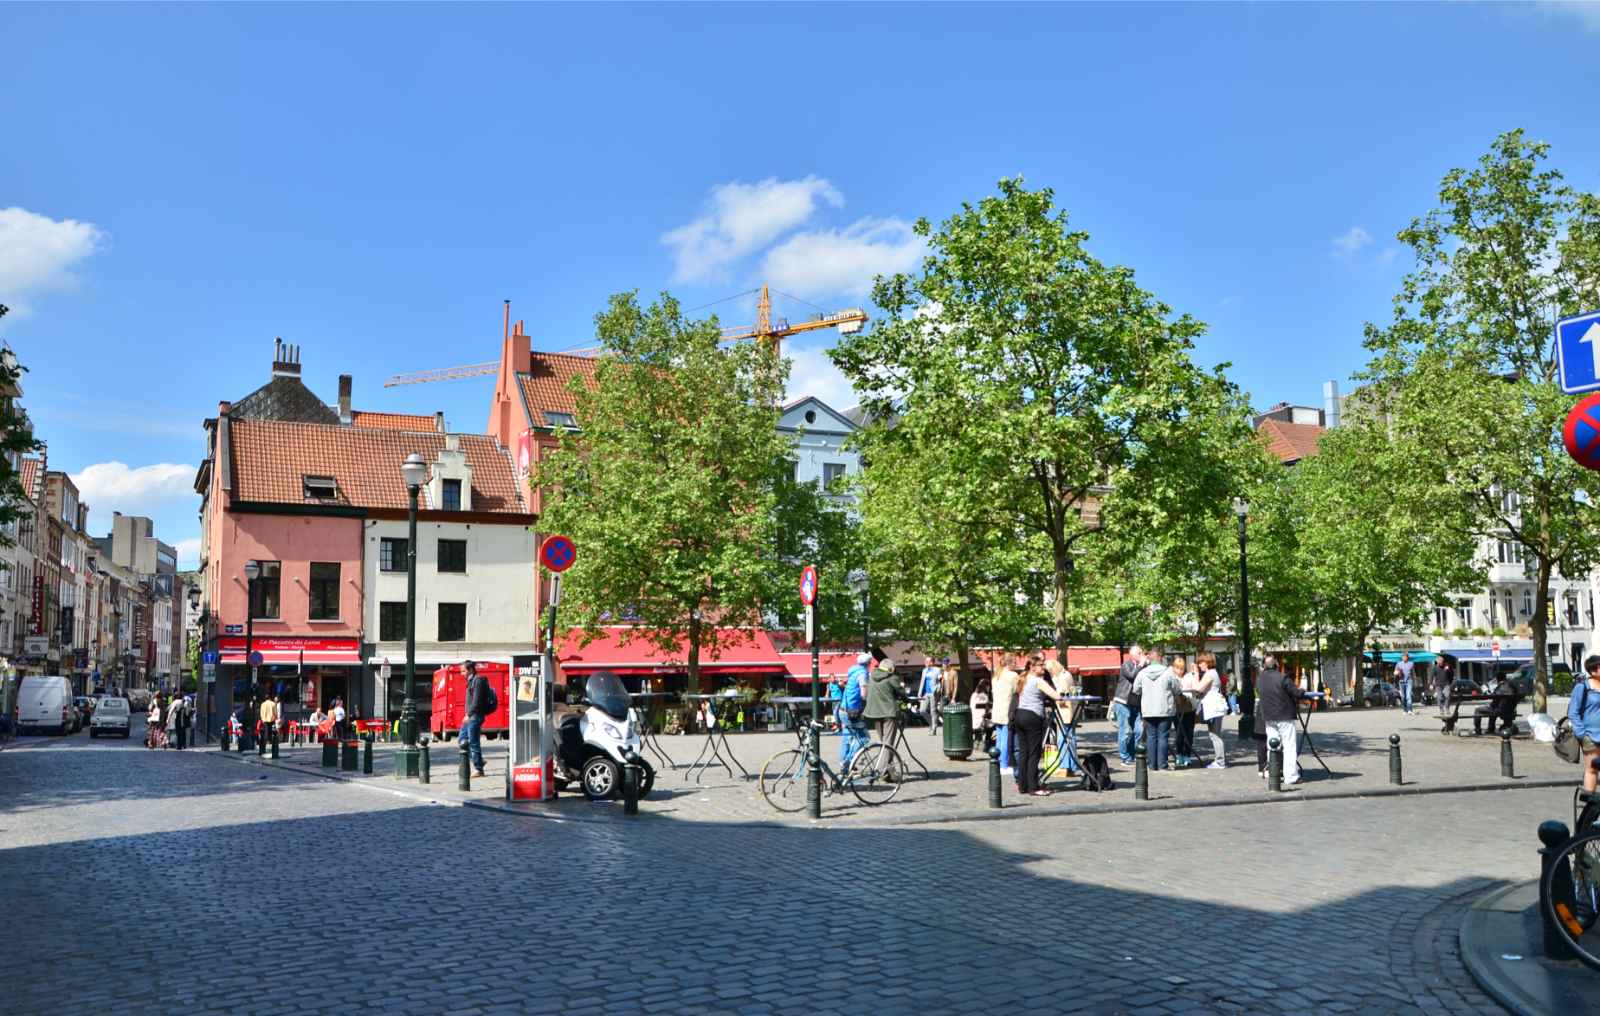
<point>321,488</point>
<point>450,494</point>
<point>561,421</point>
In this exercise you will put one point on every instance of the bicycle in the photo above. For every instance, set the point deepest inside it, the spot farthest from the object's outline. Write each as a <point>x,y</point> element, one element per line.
<point>875,773</point>
<point>1569,892</point>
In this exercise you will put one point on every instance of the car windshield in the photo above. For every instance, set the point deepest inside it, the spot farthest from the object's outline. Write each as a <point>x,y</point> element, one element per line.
<point>605,692</point>
<point>113,705</point>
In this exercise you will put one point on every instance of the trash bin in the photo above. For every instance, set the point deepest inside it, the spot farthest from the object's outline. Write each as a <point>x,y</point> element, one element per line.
<point>957,731</point>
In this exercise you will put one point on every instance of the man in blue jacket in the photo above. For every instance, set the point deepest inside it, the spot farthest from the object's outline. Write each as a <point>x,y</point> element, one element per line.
<point>851,705</point>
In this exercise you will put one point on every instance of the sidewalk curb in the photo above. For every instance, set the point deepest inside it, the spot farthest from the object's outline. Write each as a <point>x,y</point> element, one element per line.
<point>1501,941</point>
<point>365,782</point>
<point>1489,979</point>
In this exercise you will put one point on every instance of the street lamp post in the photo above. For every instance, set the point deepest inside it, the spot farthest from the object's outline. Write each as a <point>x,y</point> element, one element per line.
<point>414,471</point>
<point>252,571</point>
<point>1247,695</point>
<point>858,583</point>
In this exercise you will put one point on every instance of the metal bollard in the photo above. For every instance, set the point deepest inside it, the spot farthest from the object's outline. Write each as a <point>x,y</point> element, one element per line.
<point>813,776</point>
<point>1507,764</point>
<point>366,757</point>
<point>1554,836</point>
<point>225,739</point>
<point>630,789</point>
<point>994,778</point>
<point>464,773</point>
<point>1141,775</point>
<point>1394,759</point>
<point>423,772</point>
<point>347,757</point>
<point>330,753</point>
<point>273,748</point>
<point>1274,764</point>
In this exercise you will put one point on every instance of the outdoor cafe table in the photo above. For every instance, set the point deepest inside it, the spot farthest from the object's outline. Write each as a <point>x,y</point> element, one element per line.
<point>1310,698</point>
<point>793,701</point>
<point>711,751</point>
<point>647,736</point>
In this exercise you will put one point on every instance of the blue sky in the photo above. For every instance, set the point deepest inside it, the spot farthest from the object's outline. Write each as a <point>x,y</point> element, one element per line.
<point>179,185</point>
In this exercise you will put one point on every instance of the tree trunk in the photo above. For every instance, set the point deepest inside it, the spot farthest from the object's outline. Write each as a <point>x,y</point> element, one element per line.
<point>964,681</point>
<point>1358,681</point>
<point>1540,624</point>
<point>1063,564</point>
<point>694,654</point>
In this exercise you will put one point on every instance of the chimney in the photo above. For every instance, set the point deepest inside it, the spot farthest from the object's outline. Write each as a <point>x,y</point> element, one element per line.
<point>344,399</point>
<point>438,421</point>
<point>285,359</point>
<point>1330,404</point>
<point>224,407</point>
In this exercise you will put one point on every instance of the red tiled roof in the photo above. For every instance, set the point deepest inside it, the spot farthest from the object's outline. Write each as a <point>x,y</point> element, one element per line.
<point>544,384</point>
<point>409,422</point>
<point>741,651</point>
<point>1290,442</point>
<point>32,469</point>
<point>271,458</point>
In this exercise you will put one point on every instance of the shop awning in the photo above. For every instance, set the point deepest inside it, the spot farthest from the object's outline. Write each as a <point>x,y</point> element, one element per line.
<point>1090,660</point>
<point>282,650</point>
<point>1486,655</point>
<point>1417,656</point>
<point>829,665</point>
<point>740,651</point>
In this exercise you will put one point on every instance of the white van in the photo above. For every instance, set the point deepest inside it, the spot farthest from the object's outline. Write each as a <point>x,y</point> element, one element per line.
<point>45,702</point>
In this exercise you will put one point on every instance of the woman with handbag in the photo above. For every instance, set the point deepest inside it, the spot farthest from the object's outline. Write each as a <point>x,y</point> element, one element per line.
<point>1213,707</point>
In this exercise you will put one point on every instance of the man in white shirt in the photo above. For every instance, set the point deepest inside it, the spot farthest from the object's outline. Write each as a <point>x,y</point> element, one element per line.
<point>338,719</point>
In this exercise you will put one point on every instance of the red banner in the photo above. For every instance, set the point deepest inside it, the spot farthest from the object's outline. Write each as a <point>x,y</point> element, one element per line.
<point>289,644</point>
<point>38,603</point>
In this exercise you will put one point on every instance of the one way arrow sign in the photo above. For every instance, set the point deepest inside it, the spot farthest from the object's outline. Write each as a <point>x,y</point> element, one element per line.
<point>1578,352</point>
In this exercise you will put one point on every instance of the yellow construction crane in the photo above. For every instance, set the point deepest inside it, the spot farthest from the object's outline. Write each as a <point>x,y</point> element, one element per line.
<point>848,321</point>
<point>447,374</point>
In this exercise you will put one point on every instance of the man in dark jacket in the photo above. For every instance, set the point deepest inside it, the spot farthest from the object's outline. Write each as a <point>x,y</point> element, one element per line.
<point>883,700</point>
<point>472,723</point>
<point>1280,711</point>
<point>1125,706</point>
<point>1502,708</point>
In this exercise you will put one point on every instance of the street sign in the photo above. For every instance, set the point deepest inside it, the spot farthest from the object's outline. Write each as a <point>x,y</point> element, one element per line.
<point>383,670</point>
<point>808,585</point>
<point>811,624</point>
<point>1494,649</point>
<point>557,553</point>
<point>256,658</point>
<point>233,629</point>
<point>210,670</point>
<point>211,656</point>
<point>1581,434</point>
<point>1578,352</point>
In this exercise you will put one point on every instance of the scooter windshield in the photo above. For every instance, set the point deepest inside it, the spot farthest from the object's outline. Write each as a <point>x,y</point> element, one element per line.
<point>605,692</point>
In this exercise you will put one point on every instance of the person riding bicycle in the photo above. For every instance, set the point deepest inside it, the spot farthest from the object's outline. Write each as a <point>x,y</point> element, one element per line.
<point>852,706</point>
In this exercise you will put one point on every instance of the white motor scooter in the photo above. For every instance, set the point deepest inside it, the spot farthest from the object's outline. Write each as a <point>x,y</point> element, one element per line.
<point>593,748</point>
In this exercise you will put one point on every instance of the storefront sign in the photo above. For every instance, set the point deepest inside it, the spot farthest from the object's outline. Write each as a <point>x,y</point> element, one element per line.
<point>233,629</point>
<point>37,619</point>
<point>36,645</point>
<point>290,644</point>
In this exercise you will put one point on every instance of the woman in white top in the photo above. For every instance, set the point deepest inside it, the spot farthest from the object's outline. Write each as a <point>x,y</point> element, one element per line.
<point>1213,707</point>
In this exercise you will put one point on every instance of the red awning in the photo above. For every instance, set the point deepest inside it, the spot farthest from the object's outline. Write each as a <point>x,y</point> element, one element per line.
<point>829,665</point>
<point>1088,659</point>
<point>313,651</point>
<point>740,651</point>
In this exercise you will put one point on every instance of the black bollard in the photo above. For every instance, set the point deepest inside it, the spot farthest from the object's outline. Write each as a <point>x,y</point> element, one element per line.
<point>1507,764</point>
<point>423,772</point>
<point>630,789</point>
<point>225,739</point>
<point>330,753</point>
<point>994,778</point>
<point>813,776</point>
<point>347,757</point>
<point>366,757</point>
<point>1274,764</point>
<point>1141,775</point>
<point>1394,759</point>
<point>464,774</point>
<point>1554,836</point>
<point>272,750</point>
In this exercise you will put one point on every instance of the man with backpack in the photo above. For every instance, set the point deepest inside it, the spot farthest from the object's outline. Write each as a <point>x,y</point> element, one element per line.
<point>480,703</point>
<point>852,709</point>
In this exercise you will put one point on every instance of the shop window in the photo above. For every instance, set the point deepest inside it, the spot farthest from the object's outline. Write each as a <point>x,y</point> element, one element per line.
<point>452,622</point>
<point>324,591</point>
<point>392,622</point>
<point>452,495</point>
<point>264,597</point>
<point>452,555</point>
<point>391,554</point>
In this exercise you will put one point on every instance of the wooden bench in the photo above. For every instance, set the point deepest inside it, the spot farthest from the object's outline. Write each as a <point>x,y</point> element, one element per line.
<point>1448,722</point>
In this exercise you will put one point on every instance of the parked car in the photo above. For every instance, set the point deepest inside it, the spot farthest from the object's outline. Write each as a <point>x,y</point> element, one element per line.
<point>1522,678</point>
<point>44,702</point>
<point>1382,693</point>
<point>111,716</point>
<point>86,707</point>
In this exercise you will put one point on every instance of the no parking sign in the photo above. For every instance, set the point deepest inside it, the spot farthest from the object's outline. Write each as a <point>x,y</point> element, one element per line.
<point>1581,435</point>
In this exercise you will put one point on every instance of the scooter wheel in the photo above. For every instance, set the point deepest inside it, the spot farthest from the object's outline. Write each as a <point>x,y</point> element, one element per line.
<point>601,778</point>
<point>647,779</point>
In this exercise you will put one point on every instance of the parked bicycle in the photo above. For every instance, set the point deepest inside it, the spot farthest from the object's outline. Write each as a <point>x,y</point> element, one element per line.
<point>874,776</point>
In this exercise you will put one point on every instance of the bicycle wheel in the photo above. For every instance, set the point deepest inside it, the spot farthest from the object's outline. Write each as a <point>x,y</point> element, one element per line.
<point>876,774</point>
<point>783,780</point>
<point>1570,895</point>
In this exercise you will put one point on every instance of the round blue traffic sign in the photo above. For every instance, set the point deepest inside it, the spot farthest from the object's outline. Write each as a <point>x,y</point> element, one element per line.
<point>1581,434</point>
<point>256,658</point>
<point>557,553</point>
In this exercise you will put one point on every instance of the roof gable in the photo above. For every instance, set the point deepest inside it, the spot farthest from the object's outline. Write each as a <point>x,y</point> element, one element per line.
<point>1290,442</point>
<point>544,385</point>
<point>825,417</point>
<point>284,398</point>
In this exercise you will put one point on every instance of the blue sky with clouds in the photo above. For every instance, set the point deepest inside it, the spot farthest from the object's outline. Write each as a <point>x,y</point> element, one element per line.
<point>179,185</point>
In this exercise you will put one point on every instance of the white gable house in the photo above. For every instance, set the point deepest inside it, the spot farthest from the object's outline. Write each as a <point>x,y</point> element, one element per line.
<point>819,433</point>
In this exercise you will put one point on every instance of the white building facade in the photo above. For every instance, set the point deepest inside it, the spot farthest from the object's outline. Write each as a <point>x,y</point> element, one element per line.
<point>819,432</point>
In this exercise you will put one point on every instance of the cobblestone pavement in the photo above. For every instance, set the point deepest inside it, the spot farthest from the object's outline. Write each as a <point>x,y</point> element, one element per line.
<point>140,882</point>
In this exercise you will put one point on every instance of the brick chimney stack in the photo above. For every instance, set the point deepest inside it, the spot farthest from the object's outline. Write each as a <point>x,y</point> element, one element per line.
<point>345,382</point>
<point>285,359</point>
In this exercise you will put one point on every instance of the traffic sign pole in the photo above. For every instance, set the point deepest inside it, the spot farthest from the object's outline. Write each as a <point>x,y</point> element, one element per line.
<point>808,593</point>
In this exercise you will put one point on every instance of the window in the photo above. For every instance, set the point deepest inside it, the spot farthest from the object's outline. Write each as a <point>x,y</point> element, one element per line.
<point>1572,610</point>
<point>1441,618</point>
<point>452,622</point>
<point>452,555</point>
<point>561,420</point>
<point>391,554</point>
<point>324,591</point>
<point>1527,603</point>
<point>1464,611</point>
<point>392,622</point>
<point>452,495</point>
<point>831,473</point>
<point>320,487</point>
<point>264,597</point>
<point>1511,614</point>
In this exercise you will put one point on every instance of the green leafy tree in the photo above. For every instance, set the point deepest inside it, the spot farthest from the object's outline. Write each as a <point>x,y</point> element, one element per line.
<point>667,488</point>
<point>817,527</point>
<point>16,439</point>
<point>1064,386</point>
<point>1466,371</point>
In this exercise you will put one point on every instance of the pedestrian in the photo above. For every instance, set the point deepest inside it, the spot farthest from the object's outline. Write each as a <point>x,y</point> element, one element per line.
<point>835,696</point>
<point>1028,726</point>
<point>1402,673</point>
<point>1213,707</point>
<point>268,714</point>
<point>883,700</point>
<point>1065,682</point>
<point>1502,706</point>
<point>1279,708</point>
<point>154,735</point>
<point>1444,682</point>
<point>1184,721</point>
<point>979,704</point>
<point>1158,691</point>
<point>1584,712</point>
<point>929,693</point>
<point>1125,706</point>
<point>852,706</point>
<point>1004,693</point>
<point>173,709</point>
<point>337,714</point>
<point>477,707</point>
<point>180,703</point>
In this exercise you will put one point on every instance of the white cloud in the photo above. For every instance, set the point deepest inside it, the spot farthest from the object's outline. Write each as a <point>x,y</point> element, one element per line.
<point>188,553</point>
<point>37,253</point>
<point>113,486</point>
<point>742,218</point>
<point>828,261</point>
<point>812,373</point>
<point>1349,243</point>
